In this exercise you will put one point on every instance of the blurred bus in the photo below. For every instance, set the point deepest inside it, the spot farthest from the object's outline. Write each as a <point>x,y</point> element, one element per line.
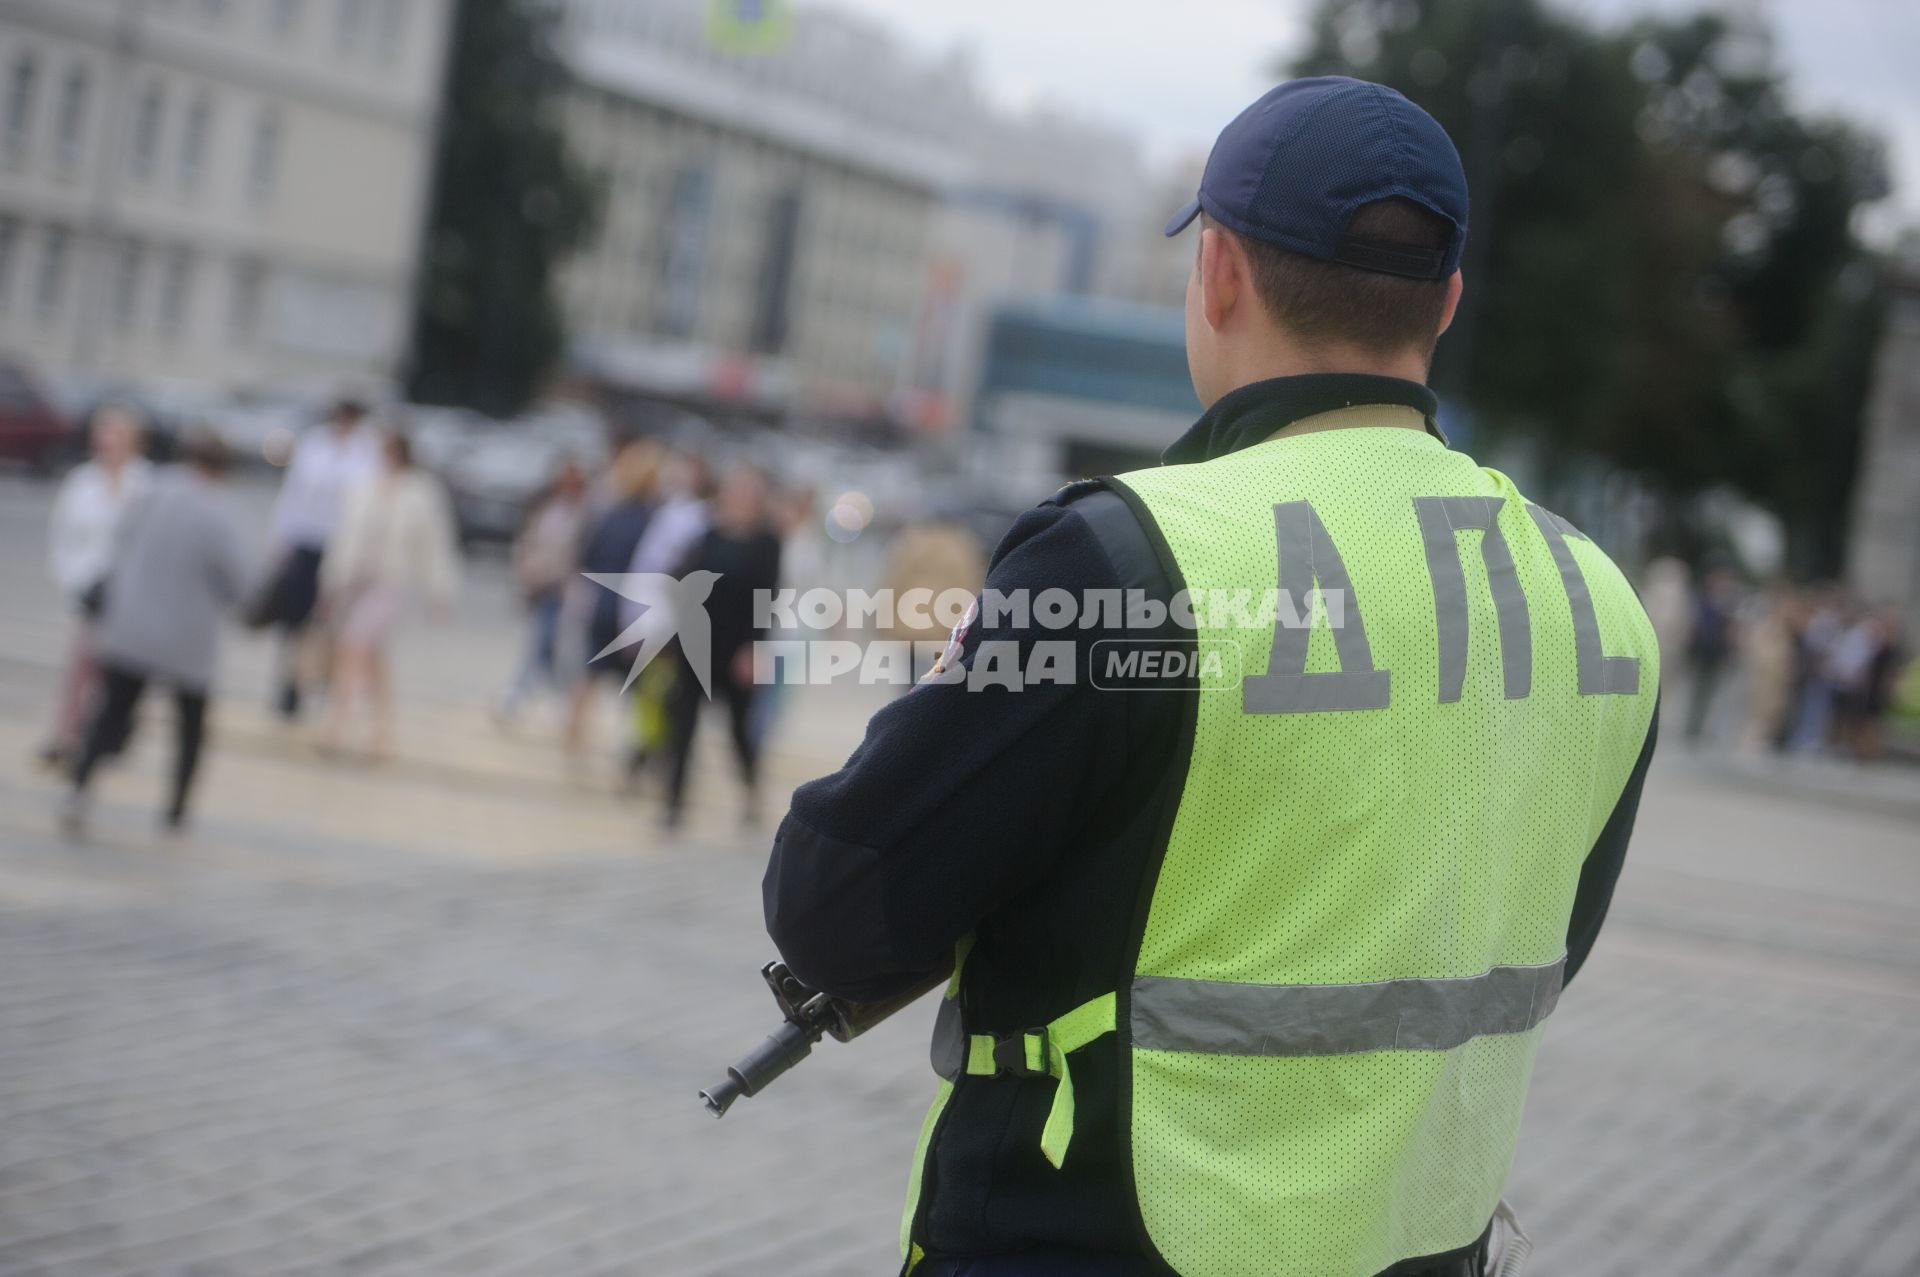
<point>1075,386</point>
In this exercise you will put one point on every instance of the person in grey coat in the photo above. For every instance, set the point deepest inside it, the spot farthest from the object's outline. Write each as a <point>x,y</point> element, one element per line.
<point>179,569</point>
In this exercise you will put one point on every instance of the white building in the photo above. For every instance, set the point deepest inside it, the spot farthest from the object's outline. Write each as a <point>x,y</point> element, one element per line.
<point>829,219</point>
<point>1048,206</point>
<point>768,210</point>
<point>217,193</point>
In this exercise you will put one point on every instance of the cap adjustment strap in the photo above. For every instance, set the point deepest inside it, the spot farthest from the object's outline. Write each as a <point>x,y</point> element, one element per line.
<point>1391,259</point>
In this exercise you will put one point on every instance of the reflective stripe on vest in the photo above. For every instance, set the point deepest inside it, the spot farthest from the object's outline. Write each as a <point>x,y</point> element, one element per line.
<point>1217,1017</point>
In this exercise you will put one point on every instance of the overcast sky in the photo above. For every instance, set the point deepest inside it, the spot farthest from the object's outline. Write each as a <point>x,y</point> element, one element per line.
<point>1173,74</point>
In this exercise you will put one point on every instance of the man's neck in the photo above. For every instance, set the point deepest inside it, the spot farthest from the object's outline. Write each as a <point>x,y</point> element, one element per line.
<point>1278,355</point>
<point>1287,361</point>
<point>1257,411</point>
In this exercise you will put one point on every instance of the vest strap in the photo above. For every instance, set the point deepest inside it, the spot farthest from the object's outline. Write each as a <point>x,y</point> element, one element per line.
<point>1043,1052</point>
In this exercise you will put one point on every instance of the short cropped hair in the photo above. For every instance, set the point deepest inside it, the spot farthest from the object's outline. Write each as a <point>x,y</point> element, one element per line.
<point>1328,303</point>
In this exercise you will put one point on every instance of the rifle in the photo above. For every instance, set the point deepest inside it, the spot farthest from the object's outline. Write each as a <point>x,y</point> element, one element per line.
<point>807,1017</point>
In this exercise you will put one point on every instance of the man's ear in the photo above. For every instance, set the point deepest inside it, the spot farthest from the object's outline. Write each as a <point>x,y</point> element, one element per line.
<point>1223,267</point>
<point>1454,288</point>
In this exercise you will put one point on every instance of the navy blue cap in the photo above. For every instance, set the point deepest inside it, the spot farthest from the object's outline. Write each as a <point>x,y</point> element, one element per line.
<point>1293,168</point>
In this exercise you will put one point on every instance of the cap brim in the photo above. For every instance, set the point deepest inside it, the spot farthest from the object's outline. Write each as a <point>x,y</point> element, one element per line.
<point>1188,211</point>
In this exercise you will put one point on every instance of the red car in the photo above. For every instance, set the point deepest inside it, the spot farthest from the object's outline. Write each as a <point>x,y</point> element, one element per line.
<point>31,430</point>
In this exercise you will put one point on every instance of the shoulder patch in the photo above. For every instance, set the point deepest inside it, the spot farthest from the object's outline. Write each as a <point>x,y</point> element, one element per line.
<point>1074,491</point>
<point>956,644</point>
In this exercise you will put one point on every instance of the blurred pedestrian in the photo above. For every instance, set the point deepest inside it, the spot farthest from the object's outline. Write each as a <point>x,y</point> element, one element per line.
<point>328,460</point>
<point>181,568</point>
<point>1668,597</point>
<point>741,546</point>
<point>794,519</point>
<point>1710,643</point>
<point>625,509</point>
<point>87,514</point>
<point>1888,667</point>
<point>1767,639</point>
<point>934,556</point>
<point>679,519</point>
<point>1863,666</point>
<point>544,557</point>
<point>1824,623</point>
<point>395,540</point>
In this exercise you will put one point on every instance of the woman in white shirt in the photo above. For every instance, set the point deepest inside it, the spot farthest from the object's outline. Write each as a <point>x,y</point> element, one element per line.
<point>87,514</point>
<point>329,460</point>
<point>395,539</point>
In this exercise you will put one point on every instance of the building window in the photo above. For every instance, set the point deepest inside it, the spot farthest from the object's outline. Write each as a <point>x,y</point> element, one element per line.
<point>70,130</point>
<point>287,15</point>
<point>393,29</point>
<point>243,307</point>
<point>350,19</point>
<point>684,259</point>
<point>9,253</point>
<point>50,288</point>
<point>263,160</point>
<point>193,140</point>
<point>773,291</point>
<point>176,289</point>
<point>146,131</point>
<point>126,288</point>
<point>20,91</point>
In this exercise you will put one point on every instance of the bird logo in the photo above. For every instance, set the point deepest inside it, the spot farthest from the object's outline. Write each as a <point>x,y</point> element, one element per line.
<point>670,607</point>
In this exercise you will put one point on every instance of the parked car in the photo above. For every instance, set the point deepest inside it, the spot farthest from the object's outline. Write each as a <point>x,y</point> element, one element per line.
<point>32,429</point>
<point>166,413</point>
<point>579,431</point>
<point>496,481</point>
<point>442,436</point>
<point>262,428</point>
<point>496,470</point>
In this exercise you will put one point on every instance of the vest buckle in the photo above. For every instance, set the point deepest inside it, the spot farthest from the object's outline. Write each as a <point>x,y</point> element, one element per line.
<point>1010,1058</point>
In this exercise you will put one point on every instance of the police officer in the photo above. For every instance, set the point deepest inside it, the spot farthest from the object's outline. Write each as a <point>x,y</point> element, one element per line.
<point>1252,969</point>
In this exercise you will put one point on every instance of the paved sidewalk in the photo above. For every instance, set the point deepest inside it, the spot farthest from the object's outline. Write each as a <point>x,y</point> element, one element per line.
<point>449,1017</point>
<point>267,1051</point>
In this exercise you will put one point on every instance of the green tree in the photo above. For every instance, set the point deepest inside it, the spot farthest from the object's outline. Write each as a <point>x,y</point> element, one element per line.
<point>510,202</point>
<point>1800,293</point>
<point>1662,270</point>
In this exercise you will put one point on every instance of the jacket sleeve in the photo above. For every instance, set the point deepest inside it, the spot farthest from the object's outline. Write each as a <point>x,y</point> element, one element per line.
<point>957,798</point>
<point>1601,869</point>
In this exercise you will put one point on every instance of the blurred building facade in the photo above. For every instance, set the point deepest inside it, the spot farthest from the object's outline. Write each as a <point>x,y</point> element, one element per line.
<point>1048,206</point>
<point>768,209</point>
<point>825,220</point>
<point>1883,554</point>
<point>214,193</point>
